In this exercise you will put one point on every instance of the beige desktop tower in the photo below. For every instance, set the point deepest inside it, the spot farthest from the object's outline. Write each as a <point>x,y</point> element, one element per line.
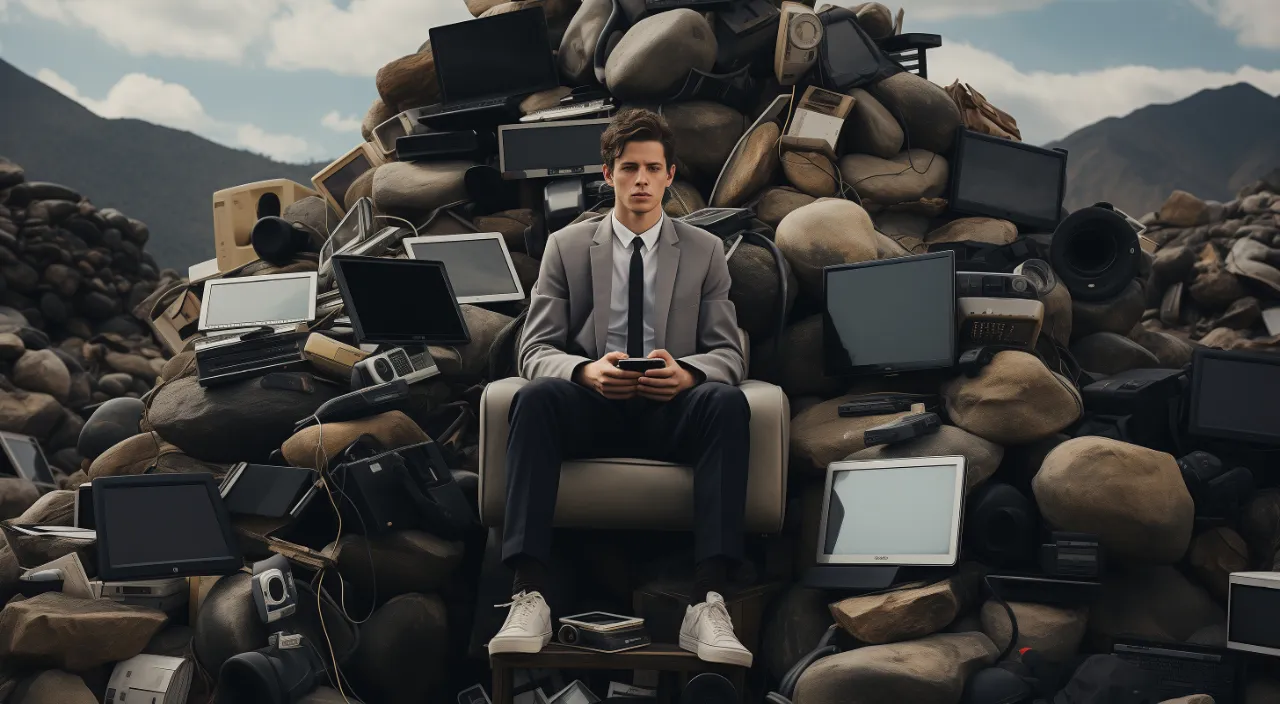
<point>235,210</point>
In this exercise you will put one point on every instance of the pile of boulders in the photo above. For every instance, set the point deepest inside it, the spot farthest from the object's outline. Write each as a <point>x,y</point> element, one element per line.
<point>70,276</point>
<point>883,196</point>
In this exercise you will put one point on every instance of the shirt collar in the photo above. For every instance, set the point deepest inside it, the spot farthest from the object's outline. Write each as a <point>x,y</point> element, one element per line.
<point>625,236</point>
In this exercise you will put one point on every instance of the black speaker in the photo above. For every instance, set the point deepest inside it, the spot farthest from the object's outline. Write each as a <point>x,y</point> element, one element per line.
<point>1001,525</point>
<point>277,240</point>
<point>282,673</point>
<point>1095,252</point>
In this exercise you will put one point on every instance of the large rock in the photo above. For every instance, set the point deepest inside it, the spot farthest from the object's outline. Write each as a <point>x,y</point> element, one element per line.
<point>41,371</point>
<point>16,496</point>
<point>656,54</point>
<point>775,204</point>
<point>472,359</point>
<point>751,168</point>
<point>1053,632</point>
<point>576,56</point>
<point>409,81</point>
<point>1260,528</point>
<point>928,114</point>
<point>416,188</point>
<point>240,422</point>
<point>1117,315</point>
<point>114,421</point>
<point>1107,353</point>
<point>1013,400</point>
<point>811,173</point>
<point>56,630</point>
<point>1155,603</point>
<point>902,614</point>
<point>1171,351</point>
<point>904,178</point>
<point>820,435</point>
<point>798,619</point>
<point>931,670</point>
<point>377,114</point>
<point>148,453</point>
<point>404,650</point>
<point>797,365</point>
<point>871,128</point>
<point>705,134</point>
<point>54,687</point>
<point>1183,209</point>
<point>827,232</point>
<point>1214,555</point>
<point>29,413</point>
<point>11,347</point>
<point>1131,497</point>
<point>682,198</point>
<point>322,443</point>
<point>982,457</point>
<point>404,561</point>
<point>755,289</point>
<point>984,230</point>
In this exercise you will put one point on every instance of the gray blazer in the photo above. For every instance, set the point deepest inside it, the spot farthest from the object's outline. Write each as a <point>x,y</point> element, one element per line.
<point>568,319</point>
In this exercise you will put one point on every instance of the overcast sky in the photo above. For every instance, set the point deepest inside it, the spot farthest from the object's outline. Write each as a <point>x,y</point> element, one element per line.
<point>292,78</point>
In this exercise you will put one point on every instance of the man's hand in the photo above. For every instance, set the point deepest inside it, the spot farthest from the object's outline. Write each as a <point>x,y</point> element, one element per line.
<point>663,384</point>
<point>607,379</point>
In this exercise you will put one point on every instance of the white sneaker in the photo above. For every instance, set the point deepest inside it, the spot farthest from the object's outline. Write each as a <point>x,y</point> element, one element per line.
<point>527,628</point>
<point>708,632</point>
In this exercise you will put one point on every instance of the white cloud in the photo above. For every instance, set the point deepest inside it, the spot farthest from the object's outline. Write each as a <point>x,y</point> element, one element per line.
<point>1050,106</point>
<point>357,40</point>
<point>1257,22</point>
<point>137,95</point>
<point>338,123</point>
<point>947,9</point>
<point>219,30</point>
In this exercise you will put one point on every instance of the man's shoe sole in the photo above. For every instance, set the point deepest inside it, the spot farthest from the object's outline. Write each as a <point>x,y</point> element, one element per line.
<point>710,653</point>
<point>519,644</point>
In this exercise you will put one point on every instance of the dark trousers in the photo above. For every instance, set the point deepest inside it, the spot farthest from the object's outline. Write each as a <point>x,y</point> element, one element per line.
<point>553,420</point>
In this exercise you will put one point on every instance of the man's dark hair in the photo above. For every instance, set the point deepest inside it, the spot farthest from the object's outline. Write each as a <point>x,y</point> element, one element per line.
<point>637,125</point>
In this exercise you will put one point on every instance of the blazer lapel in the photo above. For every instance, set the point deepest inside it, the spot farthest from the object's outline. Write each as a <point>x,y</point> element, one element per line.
<point>668,263</point>
<point>602,280</point>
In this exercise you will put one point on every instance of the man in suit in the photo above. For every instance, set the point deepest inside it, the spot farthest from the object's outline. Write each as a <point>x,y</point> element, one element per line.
<point>634,284</point>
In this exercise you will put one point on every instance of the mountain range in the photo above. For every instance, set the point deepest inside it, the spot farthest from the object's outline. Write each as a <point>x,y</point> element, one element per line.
<point>1210,144</point>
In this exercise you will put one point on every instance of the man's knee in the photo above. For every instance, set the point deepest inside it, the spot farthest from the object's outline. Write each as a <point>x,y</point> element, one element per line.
<point>724,398</point>
<point>543,393</point>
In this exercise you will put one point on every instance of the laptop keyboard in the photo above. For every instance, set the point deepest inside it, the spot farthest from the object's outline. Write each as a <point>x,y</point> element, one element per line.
<point>464,107</point>
<point>1178,676</point>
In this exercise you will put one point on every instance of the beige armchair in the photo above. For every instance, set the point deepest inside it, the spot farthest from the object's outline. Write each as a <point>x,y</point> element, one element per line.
<point>627,493</point>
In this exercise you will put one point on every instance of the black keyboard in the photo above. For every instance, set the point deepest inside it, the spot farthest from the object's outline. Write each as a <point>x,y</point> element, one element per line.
<point>1180,671</point>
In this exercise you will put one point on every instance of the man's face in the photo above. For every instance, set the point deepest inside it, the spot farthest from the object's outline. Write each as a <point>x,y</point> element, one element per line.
<point>640,177</point>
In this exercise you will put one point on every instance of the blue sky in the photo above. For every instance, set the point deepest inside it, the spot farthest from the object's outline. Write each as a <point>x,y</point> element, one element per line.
<point>292,78</point>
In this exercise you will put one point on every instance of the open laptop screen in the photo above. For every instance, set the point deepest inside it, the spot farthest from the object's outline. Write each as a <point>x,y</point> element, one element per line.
<point>893,512</point>
<point>273,299</point>
<point>491,57</point>
<point>479,266</point>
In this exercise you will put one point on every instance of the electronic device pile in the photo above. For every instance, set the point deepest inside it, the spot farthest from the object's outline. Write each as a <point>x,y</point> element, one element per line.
<point>1027,452</point>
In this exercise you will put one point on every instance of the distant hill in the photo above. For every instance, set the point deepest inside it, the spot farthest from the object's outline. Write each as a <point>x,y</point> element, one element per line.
<point>1210,144</point>
<point>162,176</point>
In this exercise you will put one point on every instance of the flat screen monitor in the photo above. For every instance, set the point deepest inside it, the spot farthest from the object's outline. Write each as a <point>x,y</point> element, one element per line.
<point>892,512</point>
<point>24,458</point>
<point>494,57</point>
<point>890,315</point>
<point>1235,395</point>
<point>550,149</point>
<point>847,57</point>
<point>1001,178</point>
<point>334,180</point>
<point>250,301</point>
<point>153,526</point>
<point>479,265</point>
<point>400,301</point>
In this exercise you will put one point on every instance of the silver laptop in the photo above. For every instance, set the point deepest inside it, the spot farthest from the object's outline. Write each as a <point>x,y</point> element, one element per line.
<point>479,265</point>
<point>255,301</point>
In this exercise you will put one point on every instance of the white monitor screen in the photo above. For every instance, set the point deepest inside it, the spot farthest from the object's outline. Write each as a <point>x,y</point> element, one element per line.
<point>894,511</point>
<point>258,300</point>
<point>479,268</point>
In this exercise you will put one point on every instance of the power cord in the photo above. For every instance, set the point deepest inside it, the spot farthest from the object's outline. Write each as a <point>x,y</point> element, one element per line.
<point>1013,619</point>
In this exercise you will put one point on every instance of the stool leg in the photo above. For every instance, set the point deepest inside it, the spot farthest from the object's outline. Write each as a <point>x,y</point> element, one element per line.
<point>503,683</point>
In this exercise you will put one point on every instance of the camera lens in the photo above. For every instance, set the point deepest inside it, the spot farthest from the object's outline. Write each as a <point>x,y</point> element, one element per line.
<point>383,368</point>
<point>1092,251</point>
<point>275,588</point>
<point>1095,253</point>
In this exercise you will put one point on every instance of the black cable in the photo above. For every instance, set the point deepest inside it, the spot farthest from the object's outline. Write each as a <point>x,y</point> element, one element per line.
<point>1013,619</point>
<point>373,572</point>
<point>780,263</point>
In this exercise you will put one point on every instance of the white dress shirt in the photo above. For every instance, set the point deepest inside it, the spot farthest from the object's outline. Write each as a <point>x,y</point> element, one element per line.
<point>622,238</point>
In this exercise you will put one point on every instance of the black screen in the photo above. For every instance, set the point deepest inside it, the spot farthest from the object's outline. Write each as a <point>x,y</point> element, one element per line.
<point>1236,396</point>
<point>847,54</point>
<point>898,314</point>
<point>160,525</point>
<point>398,301</point>
<point>263,490</point>
<point>24,452</point>
<point>476,267</point>
<point>1255,612</point>
<point>552,147</point>
<point>503,55</point>
<point>1001,179</point>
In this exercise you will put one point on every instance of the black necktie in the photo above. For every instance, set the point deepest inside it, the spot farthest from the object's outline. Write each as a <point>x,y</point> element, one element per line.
<point>635,302</point>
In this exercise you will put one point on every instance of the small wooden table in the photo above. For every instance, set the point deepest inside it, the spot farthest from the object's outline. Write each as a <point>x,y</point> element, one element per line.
<point>676,665</point>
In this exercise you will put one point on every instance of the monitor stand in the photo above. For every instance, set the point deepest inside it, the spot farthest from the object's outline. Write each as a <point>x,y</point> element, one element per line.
<point>563,200</point>
<point>861,579</point>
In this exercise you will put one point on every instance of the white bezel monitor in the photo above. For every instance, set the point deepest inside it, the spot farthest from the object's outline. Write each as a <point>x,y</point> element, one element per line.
<point>551,149</point>
<point>250,297</point>
<point>464,272</point>
<point>897,512</point>
<point>25,456</point>
<point>1253,602</point>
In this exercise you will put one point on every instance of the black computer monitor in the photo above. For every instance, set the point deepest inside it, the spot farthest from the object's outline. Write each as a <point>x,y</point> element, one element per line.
<point>494,57</point>
<point>1001,178</point>
<point>847,57</point>
<point>890,315</point>
<point>555,148</point>
<point>22,457</point>
<point>154,526</point>
<point>1235,395</point>
<point>400,301</point>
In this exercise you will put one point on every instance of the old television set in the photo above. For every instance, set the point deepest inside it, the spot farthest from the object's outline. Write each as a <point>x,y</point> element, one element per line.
<point>400,301</point>
<point>1014,181</point>
<point>334,180</point>
<point>253,301</point>
<point>479,265</point>
<point>557,148</point>
<point>23,458</point>
<point>890,315</point>
<point>1235,395</point>
<point>237,209</point>
<point>157,526</point>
